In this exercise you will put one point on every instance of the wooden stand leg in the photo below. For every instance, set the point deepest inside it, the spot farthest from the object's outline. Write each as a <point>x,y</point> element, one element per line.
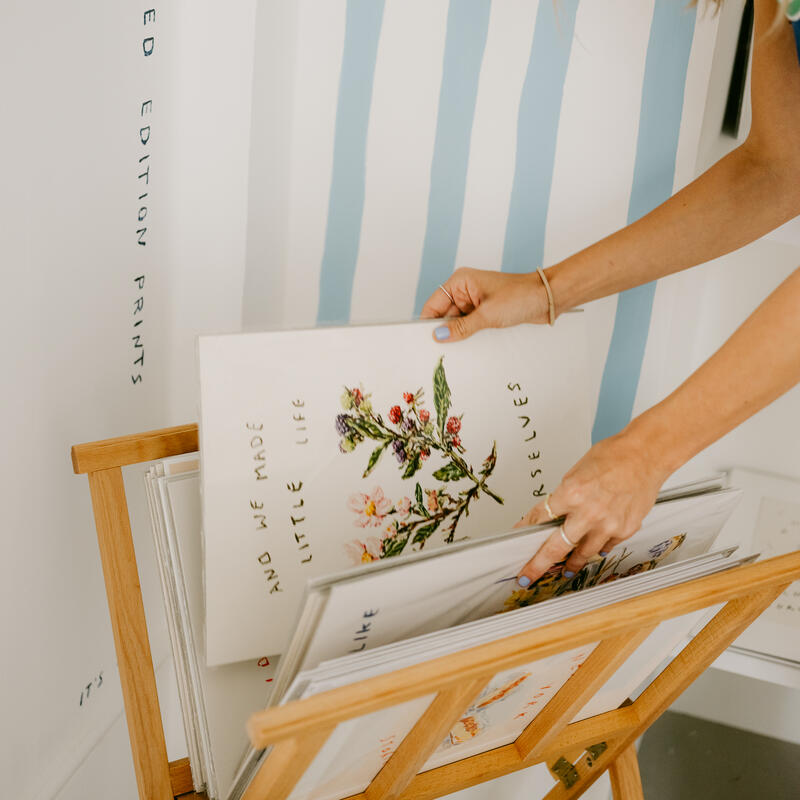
<point>133,648</point>
<point>626,782</point>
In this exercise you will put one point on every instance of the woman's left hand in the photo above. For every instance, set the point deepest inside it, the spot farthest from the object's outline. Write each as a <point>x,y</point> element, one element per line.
<point>604,499</point>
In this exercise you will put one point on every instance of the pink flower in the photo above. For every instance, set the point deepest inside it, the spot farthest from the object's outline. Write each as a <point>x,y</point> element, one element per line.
<point>403,506</point>
<point>395,414</point>
<point>453,425</point>
<point>456,441</point>
<point>408,397</point>
<point>357,397</point>
<point>363,552</point>
<point>424,415</point>
<point>433,500</point>
<point>370,508</point>
<point>424,453</point>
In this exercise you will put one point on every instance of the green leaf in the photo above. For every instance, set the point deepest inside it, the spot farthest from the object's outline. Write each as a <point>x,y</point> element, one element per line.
<point>491,460</point>
<point>374,458</point>
<point>449,472</point>
<point>424,532</point>
<point>393,546</point>
<point>420,501</point>
<point>413,465</point>
<point>367,428</point>
<point>441,396</point>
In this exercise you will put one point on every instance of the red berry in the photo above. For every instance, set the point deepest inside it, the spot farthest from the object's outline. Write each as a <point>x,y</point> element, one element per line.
<point>395,414</point>
<point>424,416</point>
<point>408,397</point>
<point>453,425</point>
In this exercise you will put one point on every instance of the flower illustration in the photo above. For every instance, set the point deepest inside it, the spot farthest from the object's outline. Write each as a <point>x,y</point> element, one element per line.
<point>363,552</point>
<point>403,506</point>
<point>413,434</point>
<point>370,508</point>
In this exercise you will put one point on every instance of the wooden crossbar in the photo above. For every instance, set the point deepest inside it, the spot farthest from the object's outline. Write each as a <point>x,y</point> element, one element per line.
<point>298,730</point>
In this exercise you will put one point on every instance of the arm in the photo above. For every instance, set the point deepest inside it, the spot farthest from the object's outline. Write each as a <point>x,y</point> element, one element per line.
<point>606,495</point>
<point>746,194</point>
<point>743,196</point>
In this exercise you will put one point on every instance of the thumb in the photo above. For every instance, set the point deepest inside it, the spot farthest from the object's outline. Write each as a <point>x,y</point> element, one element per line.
<point>458,328</point>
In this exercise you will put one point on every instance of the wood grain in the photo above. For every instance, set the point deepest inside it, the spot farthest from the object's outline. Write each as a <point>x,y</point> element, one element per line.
<point>420,743</point>
<point>274,724</point>
<point>601,664</point>
<point>130,635</point>
<point>180,777</point>
<point>125,450</point>
<point>626,782</point>
<point>726,625</point>
<point>285,765</point>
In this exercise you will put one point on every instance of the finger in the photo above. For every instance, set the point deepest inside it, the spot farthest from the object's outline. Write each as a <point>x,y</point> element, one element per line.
<point>588,547</point>
<point>549,509</point>
<point>438,305</point>
<point>557,547</point>
<point>459,328</point>
<point>609,545</point>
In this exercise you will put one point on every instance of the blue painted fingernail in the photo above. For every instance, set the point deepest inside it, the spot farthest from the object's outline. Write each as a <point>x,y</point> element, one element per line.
<point>524,581</point>
<point>568,574</point>
<point>604,552</point>
<point>442,332</point>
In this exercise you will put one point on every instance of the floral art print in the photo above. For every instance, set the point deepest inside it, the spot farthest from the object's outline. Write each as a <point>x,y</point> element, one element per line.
<point>411,435</point>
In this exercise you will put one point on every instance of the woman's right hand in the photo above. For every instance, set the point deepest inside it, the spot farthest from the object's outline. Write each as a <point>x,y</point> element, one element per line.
<point>486,299</point>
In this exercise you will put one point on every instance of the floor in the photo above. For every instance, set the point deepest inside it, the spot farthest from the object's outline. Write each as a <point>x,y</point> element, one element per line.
<point>683,758</point>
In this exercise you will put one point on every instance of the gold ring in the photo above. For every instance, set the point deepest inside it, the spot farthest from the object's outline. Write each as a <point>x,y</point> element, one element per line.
<point>447,293</point>
<point>548,509</point>
<point>565,537</point>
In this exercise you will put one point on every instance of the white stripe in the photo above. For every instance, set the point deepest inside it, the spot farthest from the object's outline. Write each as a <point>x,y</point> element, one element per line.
<point>599,126</point>
<point>318,66</point>
<point>596,148</point>
<point>698,73</point>
<point>400,139</point>
<point>490,174</point>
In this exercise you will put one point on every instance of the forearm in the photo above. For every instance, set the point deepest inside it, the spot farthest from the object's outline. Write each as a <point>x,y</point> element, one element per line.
<point>756,365</point>
<point>736,201</point>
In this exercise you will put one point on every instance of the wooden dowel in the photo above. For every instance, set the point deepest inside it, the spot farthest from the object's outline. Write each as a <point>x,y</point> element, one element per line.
<point>601,664</point>
<point>285,765</point>
<point>130,635</point>
<point>504,760</point>
<point>423,739</point>
<point>274,724</point>
<point>626,782</point>
<point>125,450</point>
<point>699,654</point>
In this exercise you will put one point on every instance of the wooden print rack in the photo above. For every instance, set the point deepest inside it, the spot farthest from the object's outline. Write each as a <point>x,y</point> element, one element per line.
<point>576,753</point>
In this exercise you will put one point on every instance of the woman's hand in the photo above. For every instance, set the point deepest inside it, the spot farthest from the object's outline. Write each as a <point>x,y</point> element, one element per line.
<point>486,299</point>
<point>604,499</point>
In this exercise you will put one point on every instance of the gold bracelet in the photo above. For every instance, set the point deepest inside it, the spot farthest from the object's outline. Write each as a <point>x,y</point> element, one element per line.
<point>551,306</point>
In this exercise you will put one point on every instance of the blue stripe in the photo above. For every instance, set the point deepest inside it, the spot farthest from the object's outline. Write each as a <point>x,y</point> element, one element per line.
<point>346,201</point>
<point>467,29</point>
<point>537,130</point>
<point>654,172</point>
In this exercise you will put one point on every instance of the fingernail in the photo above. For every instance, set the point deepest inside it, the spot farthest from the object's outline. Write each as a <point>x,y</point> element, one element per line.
<point>442,332</point>
<point>604,552</point>
<point>524,581</point>
<point>568,574</point>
